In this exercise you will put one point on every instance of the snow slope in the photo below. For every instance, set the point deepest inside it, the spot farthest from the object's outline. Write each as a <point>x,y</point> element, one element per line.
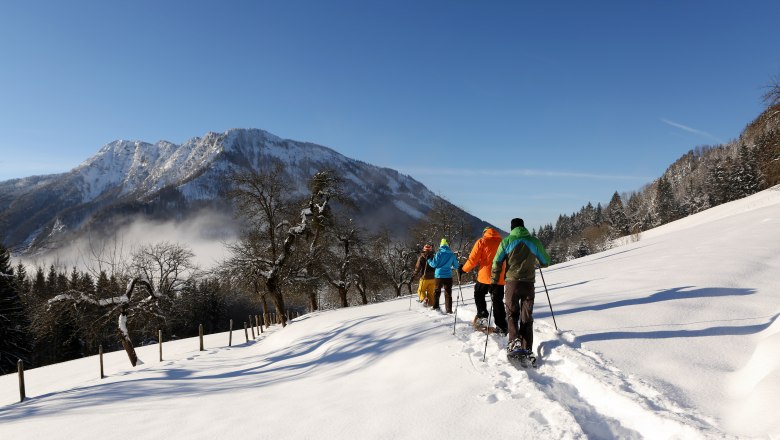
<point>674,336</point>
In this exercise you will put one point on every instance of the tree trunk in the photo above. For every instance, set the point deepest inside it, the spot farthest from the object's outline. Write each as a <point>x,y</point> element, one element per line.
<point>343,297</point>
<point>128,346</point>
<point>313,306</point>
<point>363,296</point>
<point>277,298</point>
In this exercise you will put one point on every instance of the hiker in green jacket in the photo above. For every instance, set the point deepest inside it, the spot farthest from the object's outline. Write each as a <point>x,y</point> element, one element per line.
<point>520,250</point>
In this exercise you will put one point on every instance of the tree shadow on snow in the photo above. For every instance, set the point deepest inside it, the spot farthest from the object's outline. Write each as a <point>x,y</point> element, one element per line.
<point>721,330</point>
<point>344,350</point>
<point>677,293</point>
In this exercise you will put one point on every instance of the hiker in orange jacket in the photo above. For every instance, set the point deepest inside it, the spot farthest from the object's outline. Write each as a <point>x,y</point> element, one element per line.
<point>481,256</point>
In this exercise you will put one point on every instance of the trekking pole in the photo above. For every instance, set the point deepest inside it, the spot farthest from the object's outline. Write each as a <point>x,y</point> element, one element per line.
<point>487,330</point>
<point>460,295</point>
<point>456,305</point>
<point>410,296</point>
<point>548,299</point>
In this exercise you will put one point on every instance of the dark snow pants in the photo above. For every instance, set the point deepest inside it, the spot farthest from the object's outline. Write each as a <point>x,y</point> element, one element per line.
<point>447,284</point>
<point>499,312</point>
<point>519,309</point>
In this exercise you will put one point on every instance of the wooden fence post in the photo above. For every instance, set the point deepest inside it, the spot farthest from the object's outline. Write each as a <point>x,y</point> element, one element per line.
<point>20,367</point>
<point>230,338</point>
<point>253,327</point>
<point>159,342</point>
<point>246,334</point>
<point>260,322</point>
<point>100,351</point>
<point>200,333</point>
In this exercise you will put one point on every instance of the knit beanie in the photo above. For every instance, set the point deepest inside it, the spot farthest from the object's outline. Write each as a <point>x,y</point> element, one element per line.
<point>517,222</point>
<point>443,242</point>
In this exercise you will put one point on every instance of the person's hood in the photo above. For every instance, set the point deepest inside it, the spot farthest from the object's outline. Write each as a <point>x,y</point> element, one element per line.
<point>490,233</point>
<point>520,232</point>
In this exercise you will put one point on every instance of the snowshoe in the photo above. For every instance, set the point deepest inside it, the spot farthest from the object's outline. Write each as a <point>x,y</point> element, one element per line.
<point>523,358</point>
<point>520,356</point>
<point>481,324</point>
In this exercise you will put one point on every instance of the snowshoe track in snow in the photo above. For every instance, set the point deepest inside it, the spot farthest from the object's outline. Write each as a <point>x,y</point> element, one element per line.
<point>573,382</point>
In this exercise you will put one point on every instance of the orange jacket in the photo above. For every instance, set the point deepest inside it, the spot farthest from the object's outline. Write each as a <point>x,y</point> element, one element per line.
<point>482,255</point>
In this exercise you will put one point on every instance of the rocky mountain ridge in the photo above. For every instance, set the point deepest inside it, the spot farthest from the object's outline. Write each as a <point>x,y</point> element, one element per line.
<point>164,181</point>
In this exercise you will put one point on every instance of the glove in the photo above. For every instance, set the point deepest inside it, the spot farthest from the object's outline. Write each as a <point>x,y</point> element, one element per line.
<point>492,289</point>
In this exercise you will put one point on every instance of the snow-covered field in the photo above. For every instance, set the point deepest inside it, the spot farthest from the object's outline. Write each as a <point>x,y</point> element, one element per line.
<point>673,336</point>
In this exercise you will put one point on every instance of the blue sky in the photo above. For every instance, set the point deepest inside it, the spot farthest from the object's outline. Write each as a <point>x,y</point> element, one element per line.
<point>506,108</point>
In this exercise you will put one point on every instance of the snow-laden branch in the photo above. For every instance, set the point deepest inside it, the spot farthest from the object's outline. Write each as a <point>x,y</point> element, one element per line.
<point>81,297</point>
<point>143,282</point>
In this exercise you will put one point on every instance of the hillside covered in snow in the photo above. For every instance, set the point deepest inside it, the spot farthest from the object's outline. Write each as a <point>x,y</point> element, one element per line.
<point>672,336</point>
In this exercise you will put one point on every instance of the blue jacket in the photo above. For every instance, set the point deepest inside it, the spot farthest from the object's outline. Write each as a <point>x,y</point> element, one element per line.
<point>444,261</point>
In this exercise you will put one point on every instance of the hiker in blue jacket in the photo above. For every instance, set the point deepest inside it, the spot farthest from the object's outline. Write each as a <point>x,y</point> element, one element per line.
<point>444,262</point>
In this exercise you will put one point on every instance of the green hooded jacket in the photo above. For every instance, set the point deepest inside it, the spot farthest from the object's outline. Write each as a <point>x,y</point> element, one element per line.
<point>520,250</point>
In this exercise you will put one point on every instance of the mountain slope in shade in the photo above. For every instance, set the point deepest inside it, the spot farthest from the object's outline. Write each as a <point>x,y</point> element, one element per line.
<point>165,181</point>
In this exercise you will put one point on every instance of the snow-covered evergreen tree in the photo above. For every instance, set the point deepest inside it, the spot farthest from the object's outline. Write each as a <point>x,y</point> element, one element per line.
<point>583,249</point>
<point>768,156</point>
<point>616,216</point>
<point>666,206</point>
<point>745,176</point>
<point>718,184</point>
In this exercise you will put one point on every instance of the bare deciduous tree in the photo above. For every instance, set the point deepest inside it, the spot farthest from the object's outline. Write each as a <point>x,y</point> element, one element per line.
<point>397,261</point>
<point>337,267</point>
<point>159,270</point>
<point>772,94</point>
<point>442,221</point>
<point>271,243</point>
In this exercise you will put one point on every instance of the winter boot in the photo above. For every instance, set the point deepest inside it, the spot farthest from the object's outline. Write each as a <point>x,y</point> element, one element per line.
<point>514,346</point>
<point>515,351</point>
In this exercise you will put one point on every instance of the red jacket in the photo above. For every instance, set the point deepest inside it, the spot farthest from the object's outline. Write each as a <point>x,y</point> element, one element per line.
<point>482,255</point>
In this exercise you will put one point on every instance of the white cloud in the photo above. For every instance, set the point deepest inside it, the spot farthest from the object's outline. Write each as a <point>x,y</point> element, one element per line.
<point>517,172</point>
<point>692,130</point>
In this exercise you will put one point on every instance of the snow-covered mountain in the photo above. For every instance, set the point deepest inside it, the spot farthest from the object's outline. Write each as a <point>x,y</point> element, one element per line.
<point>165,181</point>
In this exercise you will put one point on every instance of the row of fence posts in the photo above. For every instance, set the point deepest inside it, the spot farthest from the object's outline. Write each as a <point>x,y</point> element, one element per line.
<point>271,318</point>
